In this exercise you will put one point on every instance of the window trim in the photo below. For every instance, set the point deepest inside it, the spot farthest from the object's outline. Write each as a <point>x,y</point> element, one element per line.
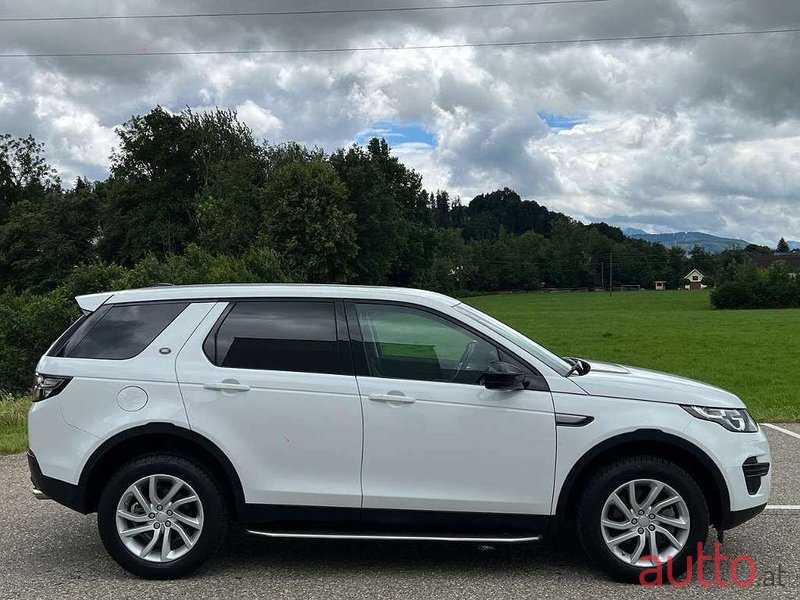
<point>535,380</point>
<point>344,355</point>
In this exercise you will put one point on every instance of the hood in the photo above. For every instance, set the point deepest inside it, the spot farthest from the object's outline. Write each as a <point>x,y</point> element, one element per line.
<point>618,381</point>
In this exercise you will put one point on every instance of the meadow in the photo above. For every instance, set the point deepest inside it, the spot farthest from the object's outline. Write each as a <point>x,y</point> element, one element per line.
<point>752,353</point>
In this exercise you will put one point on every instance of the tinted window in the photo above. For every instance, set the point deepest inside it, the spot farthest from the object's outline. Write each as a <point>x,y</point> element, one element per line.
<point>58,346</point>
<point>406,343</point>
<point>120,332</point>
<point>281,336</point>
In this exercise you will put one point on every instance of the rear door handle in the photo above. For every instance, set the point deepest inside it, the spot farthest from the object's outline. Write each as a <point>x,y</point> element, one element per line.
<point>226,386</point>
<point>393,398</point>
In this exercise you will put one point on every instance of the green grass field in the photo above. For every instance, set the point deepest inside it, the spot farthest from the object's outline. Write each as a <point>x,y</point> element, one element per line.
<point>753,353</point>
<point>13,423</point>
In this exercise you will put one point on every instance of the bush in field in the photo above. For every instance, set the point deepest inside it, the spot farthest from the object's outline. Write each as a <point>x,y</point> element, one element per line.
<point>29,323</point>
<point>751,287</point>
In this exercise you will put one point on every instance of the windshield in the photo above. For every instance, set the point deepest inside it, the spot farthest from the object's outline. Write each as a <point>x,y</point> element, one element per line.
<point>515,337</point>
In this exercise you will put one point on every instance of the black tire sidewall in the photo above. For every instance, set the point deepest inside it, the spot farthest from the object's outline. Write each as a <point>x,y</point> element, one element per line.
<point>214,515</point>
<point>615,475</point>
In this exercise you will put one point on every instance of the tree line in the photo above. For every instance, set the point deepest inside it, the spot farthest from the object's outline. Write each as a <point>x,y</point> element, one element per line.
<point>357,215</point>
<point>195,197</point>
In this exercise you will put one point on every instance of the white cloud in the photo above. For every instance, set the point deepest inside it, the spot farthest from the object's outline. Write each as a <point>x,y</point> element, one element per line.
<point>261,120</point>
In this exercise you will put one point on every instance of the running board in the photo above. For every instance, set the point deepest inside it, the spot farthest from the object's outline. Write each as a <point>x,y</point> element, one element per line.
<point>396,537</point>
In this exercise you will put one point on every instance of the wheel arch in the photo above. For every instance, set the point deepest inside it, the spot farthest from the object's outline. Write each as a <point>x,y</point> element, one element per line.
<point>155,438</point>
<point>649,442</point>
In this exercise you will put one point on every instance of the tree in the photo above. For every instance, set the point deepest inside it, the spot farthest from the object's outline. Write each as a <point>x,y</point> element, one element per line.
<point>43,239</point>
<point>440,204</point>
<point>372,199</point>
<point>756,249</point>
<point>24,172</point>
<point>307,221</point>
<point>782,246</point>
<point>503,209</point>
<point>172,182</point>
<point>701,260</point>
<point>393,221</point>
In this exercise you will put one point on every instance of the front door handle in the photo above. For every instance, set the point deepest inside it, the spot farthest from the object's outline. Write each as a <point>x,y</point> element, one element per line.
<point>392,398</point>
<point>226,386</point>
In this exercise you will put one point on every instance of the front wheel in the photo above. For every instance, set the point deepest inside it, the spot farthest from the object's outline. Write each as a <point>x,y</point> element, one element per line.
<point>641,513</point>
<point>161,516</point>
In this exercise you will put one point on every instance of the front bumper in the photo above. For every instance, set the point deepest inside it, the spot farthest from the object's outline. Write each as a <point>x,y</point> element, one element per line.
<point>734,518</point>
<point>744,461</point>
<point>62,492</point>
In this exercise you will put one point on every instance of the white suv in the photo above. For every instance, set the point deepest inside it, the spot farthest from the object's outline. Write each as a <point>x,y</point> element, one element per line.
<point>377,413</point>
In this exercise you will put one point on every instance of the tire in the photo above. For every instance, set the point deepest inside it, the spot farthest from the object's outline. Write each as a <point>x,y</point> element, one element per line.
<point>647,473</point>
<point>193,530</point>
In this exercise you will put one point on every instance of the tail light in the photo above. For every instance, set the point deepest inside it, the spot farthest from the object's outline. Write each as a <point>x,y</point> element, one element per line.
<point>46,386</point>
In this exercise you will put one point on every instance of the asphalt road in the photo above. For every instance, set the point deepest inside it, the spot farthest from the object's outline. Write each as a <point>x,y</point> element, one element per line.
<point>47,551</point>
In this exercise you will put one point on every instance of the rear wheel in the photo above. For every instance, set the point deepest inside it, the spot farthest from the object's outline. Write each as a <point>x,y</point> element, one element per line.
<point>639,513</point>
<point>161,516</point>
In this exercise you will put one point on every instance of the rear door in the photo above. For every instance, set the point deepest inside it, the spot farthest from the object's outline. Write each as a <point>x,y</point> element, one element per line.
<point>434,437</point>
<point>272,383</point>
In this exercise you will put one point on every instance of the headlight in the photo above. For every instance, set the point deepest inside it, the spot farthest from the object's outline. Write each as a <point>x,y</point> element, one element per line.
<point>732,419</point>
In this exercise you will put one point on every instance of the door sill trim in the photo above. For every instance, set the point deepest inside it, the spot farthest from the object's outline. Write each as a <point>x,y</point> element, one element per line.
<point>396,537</point>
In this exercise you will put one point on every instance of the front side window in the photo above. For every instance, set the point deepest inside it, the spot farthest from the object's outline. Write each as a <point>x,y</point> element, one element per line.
<point>119,331</point>
<point>408,343</point>
<point>558,364</point>
<point>280,336</point>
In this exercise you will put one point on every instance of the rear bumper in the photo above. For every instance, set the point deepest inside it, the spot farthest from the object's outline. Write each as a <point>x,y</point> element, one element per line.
<point>69,495</point>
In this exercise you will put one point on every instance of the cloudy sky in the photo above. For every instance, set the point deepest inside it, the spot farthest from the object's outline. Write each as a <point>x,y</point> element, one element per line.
<point>700,134</point>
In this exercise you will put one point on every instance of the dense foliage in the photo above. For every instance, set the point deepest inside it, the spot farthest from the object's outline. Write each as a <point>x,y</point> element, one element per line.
<point>194,197</point>
<point>751,287</point>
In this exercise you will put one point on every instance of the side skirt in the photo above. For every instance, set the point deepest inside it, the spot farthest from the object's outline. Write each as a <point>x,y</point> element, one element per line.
<point>373,523</point>
<point>395,537</point>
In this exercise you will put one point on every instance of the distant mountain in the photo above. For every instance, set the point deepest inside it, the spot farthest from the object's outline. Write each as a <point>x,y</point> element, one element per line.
<point>688,239</point>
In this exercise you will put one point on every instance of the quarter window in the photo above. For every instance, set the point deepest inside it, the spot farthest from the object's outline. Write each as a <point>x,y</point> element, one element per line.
<point>407,343</point>
<point>280,336</point>
<point>120,332</point>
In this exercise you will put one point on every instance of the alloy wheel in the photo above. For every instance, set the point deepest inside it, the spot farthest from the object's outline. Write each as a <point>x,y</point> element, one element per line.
<point>645,518</point>
<point>159,518</point>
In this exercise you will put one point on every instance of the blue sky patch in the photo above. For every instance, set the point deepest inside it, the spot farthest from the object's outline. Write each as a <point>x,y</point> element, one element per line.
<point>397,133</point>
<point>561,122</point>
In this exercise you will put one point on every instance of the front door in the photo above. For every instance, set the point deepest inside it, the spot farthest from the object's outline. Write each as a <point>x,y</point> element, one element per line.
<point>271,383</point>
<point>434,437</point>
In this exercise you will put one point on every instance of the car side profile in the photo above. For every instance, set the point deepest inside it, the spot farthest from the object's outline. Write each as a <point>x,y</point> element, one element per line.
<point>321,411</point>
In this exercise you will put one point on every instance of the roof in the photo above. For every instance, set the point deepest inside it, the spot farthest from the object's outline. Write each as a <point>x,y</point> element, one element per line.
<point>91,302</point>
<point>792,259</point>
<point>693,271</point>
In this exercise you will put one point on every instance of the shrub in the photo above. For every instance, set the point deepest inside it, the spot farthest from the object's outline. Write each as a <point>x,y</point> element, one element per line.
<point>751,287</point>
<point>29,323</point>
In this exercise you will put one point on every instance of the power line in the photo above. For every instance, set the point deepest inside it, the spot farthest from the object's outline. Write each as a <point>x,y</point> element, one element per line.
<point>517,44</point>
<point>285,13</point>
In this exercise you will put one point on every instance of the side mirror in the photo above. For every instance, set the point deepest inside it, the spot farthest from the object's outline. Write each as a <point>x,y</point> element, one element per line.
<point>503,376</point>
<point>579,365</point>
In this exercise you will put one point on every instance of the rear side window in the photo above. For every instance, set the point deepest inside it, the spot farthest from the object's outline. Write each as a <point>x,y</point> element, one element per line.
<point>280,336</point>
<point>119,332</point>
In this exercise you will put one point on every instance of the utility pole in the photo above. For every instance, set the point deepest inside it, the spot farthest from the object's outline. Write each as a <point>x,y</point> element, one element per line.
<point>603,275</point>
<point>610,274</point>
